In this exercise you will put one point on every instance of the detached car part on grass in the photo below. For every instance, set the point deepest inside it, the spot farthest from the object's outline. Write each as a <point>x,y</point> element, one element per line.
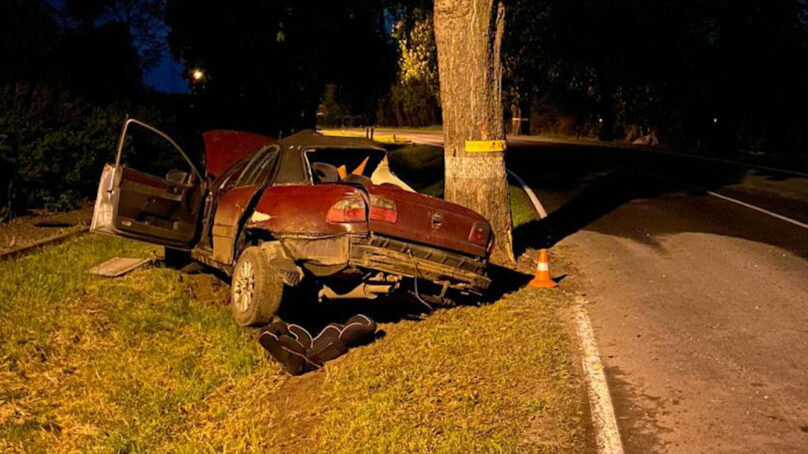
<point>311,210</point>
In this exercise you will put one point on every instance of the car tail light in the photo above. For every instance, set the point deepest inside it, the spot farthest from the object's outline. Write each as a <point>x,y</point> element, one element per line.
<point>382,209</point>
<point>351,209</point>
<point>480,233</point>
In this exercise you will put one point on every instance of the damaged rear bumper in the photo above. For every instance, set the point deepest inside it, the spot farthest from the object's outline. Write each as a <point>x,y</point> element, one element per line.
<point>332,255</point>
<point>424,262</point>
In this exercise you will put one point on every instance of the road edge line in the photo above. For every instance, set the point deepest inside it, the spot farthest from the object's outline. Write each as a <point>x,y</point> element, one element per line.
<point>530,194</point>
<point>607,435</point>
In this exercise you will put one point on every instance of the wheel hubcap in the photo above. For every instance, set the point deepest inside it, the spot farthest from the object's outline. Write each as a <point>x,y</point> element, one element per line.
<point>244,286</point>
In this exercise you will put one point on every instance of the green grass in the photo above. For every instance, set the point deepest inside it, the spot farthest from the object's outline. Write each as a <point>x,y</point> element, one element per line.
<point>497,378</point>
<point>153,362</point>
<point>114,364</point>
<point>472,380</point>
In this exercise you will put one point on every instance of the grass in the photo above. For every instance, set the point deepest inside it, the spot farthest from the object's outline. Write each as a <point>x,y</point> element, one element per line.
<point>152,362</point>
<point>496,378</point>
<point>481,379</point>
<point>87,362</point>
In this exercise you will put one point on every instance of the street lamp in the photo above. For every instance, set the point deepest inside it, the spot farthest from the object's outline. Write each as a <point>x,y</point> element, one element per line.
<point>197,75</point>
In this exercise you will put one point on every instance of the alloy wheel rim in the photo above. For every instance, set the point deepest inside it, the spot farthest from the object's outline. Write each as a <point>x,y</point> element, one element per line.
<point>244,286</point>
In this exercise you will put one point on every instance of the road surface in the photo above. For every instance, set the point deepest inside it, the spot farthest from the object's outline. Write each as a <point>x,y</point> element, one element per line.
<point>697,275</point>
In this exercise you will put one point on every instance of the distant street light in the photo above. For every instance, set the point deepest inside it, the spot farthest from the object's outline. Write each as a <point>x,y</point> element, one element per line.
<point>197,75</point>
<point>715,120</point>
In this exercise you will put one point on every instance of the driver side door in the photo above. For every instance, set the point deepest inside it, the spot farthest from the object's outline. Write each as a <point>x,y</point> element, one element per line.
<point>142,206</point>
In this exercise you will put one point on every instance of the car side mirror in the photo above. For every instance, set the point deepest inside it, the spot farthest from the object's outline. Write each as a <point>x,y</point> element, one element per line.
<point>178,176</point>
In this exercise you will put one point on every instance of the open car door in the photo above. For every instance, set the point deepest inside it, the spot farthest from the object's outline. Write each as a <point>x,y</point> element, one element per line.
<point>138,205</point>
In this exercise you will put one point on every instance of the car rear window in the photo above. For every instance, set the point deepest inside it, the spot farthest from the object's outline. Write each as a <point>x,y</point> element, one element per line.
<point>351,158</point>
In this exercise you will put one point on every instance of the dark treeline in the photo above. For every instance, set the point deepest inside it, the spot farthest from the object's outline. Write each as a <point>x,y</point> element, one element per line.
<point>712,75</point>
<point>71,70</point>
<point>68,76</point>
<point>268,63</point>
<point>724,75</point>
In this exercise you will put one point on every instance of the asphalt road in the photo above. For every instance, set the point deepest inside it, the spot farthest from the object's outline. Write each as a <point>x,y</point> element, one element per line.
<point>699,301</point>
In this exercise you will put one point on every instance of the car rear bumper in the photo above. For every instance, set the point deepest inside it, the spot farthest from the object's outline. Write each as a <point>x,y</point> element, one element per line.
<point>424,262</point>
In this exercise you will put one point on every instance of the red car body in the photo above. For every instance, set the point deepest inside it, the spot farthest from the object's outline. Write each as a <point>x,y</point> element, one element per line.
<point>322,209</point>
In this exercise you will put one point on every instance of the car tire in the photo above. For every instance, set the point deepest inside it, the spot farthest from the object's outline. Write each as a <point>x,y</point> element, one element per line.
<point>176,258</point>
<point>256,290</point>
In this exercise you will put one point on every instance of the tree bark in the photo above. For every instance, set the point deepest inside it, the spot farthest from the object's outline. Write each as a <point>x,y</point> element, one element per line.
<point>468,34</point>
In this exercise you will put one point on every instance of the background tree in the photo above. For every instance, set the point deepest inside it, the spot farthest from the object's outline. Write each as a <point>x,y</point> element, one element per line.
<point>414,98</point>
<point>268,63</point>
<point>468,34</point>
<point>710,75</point>
<point>141,20</point>
<point>66,84</point>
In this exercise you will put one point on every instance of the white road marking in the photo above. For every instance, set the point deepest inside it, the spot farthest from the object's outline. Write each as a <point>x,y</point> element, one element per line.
<point>728,199</point>
<point>607,436</point>
<point>531,195</point>
<point>757,208</point>
<point>542,213</point>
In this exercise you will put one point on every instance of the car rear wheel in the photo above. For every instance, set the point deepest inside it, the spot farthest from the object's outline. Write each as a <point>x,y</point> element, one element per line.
<point>257,289</point>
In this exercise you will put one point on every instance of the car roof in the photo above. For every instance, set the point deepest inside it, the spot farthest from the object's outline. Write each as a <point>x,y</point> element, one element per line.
<point>292,167</point>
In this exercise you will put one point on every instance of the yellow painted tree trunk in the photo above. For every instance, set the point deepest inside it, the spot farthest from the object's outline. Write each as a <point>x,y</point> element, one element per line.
<point>468,34</point>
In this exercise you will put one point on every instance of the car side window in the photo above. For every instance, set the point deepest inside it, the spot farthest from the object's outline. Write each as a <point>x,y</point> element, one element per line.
<point>232,175</point>
<point>259,168</point>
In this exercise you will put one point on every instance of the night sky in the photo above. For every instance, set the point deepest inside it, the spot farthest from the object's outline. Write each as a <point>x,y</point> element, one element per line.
<point>166,77</point>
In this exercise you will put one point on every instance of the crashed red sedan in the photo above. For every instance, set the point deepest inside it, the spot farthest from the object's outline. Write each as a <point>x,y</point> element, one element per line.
<point>313,209</point>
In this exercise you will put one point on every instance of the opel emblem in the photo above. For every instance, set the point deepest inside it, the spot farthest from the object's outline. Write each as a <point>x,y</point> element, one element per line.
<point>437,220</point>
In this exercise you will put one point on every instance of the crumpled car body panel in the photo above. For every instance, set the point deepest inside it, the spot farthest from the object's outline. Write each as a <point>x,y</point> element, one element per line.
<point>261,191</point>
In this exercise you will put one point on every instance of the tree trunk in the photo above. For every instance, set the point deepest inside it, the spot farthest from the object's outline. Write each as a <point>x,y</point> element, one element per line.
<point>468,34</point>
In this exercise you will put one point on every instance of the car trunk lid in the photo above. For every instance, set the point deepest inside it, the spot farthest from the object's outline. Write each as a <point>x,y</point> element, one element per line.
<point>429,220</point>
<point>224,147</point>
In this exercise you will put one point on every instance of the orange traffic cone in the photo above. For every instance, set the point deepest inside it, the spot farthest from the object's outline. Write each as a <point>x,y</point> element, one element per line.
<point>542,278</point>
